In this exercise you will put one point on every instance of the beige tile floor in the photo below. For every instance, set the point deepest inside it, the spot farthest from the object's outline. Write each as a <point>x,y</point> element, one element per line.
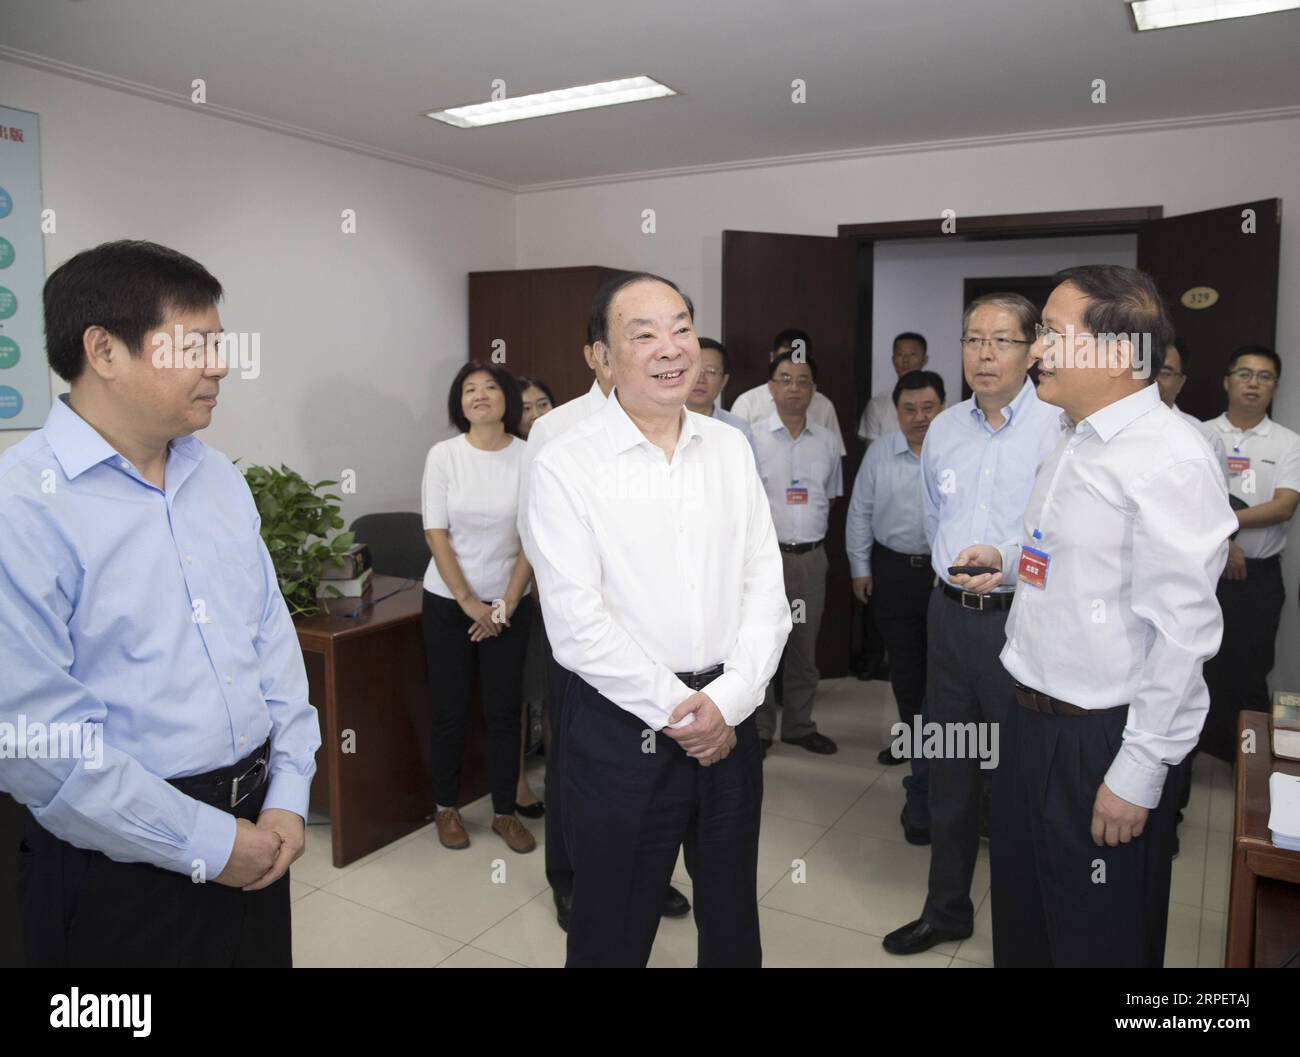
<point>414,903</point>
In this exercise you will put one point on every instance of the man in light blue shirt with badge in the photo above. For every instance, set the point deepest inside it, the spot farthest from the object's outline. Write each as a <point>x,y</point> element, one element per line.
<point>139,609</point>
<point>977,467</point>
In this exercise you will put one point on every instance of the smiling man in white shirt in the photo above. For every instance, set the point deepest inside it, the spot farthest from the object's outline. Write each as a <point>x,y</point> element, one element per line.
<point>1124,537</point>
<point>661,584</point>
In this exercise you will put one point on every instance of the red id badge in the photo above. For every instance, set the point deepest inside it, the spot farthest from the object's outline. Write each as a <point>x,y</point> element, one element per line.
<point>796,496</point>
<point>1238,463</point>
<point>1033,566</point>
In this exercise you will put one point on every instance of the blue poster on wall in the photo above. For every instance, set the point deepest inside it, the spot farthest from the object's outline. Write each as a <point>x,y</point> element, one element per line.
<point>24,372</point>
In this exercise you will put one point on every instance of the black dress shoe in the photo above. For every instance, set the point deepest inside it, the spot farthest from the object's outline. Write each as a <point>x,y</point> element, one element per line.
<point>536,810</point>
<point>918,936</point>
<point>765,744</point>
<point>914,834</point>
<point>563,904</point>
<point>886,758</point>
<point>676,905</point>
<point>814,742</point>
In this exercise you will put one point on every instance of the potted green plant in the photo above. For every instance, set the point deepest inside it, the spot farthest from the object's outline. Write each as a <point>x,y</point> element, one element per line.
<point>297,518</point>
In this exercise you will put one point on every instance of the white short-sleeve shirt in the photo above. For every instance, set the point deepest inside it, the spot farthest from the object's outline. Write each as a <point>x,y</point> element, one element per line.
<point>474,495</point>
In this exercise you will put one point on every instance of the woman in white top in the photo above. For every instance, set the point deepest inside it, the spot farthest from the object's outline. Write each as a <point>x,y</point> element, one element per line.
<point>476,615</point>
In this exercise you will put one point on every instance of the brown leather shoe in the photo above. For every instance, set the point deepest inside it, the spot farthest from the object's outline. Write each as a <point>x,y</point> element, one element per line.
<point>512,831</point>
<point>451,831</point>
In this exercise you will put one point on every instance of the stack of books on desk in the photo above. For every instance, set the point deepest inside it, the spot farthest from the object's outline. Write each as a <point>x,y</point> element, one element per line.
<point>345,586</point>
<point>1284,810</point>
<point>1285,725</point>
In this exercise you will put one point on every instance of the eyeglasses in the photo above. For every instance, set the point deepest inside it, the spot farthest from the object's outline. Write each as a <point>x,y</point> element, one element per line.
<point>1047,335</point>
<point>1169,372</point>
<point>710,372</point>
<point>787,380</point>
<point>1001,344</point>
<point>1245,374</point>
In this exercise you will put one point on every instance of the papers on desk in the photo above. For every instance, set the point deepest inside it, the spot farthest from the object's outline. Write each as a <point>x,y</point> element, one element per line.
<point>1284,810</point>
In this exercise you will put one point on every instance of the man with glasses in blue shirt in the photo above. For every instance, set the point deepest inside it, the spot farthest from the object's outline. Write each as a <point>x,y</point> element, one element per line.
<point>977,466</point>
<point>139,606</point>
<point>1264,474</point>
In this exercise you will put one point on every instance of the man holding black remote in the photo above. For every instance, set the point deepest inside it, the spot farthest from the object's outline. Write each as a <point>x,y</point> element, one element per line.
<point>977,466</point>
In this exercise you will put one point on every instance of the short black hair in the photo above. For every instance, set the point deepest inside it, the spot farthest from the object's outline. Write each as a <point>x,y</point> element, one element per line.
<point>911,335</point>
<point>919,380</point>
<point>1255,350</point>
<point>527,382</point>
<point>505,381</point>
<point>598,320</point>
<point>1184,353</point>
<point>788,357</point>
<point>785,339</point>
<point>718,347</point>
<point>1122,301</point>
<point>126,287</point>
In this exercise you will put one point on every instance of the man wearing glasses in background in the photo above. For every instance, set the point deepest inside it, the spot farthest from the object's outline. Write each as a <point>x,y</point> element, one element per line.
<point>712,379</point>
<point>977,467</point>
<point>799,464</point>
<point>1264,473</point>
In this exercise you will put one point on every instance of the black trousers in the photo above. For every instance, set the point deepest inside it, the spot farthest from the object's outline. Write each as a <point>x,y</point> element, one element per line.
<point>82,909</point>
<point>452,661</point>
<point>559,870</point>
<point>899,602</point>
<point>966,684</point>
<point>632,798</point>
<point>1058,899</point>
<point>1238,675</point>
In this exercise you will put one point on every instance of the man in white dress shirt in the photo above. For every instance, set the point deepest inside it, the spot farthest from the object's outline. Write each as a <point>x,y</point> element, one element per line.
<point>756,405</point>
<point>1264,474</point>
<point>559,867</point>
<point>1124,537</point>
<point>660,581</point>
<point>910,353</point>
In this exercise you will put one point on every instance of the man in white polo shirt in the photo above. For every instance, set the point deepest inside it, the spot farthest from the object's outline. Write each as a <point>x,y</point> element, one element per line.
<point>661,586</point>
<point>1264,473</point>
<point>756,405</point>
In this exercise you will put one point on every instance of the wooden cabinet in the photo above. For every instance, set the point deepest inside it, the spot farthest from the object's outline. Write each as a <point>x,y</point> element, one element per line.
<point>541,315</point>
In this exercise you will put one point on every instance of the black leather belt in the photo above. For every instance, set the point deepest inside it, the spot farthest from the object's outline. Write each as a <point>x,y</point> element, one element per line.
<point>699,680</point>
<point>1037,701</point>
<point>800,548</point>
<point>979,603</point>
<point>228,787</point>
<point>913,561</point>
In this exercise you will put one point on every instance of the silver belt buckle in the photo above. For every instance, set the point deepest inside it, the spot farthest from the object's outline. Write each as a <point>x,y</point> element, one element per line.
<point>235,798</point>
<point>917,561</point>
<point>979,601</point>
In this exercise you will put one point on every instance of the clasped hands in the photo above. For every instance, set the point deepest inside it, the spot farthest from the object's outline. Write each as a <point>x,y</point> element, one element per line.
<point>707,738</point>
<point>263,852</point>
<point>484,616</point>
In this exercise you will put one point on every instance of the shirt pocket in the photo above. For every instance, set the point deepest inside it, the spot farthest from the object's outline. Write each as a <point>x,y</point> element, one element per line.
<point>237,585</point>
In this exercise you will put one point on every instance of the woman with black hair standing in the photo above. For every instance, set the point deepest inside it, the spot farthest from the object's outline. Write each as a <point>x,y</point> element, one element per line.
<point>476,609</point>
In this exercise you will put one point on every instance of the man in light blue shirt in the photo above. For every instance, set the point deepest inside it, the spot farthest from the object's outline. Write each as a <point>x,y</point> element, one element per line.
<point>139,606</point>
<point>889,561</point>
<point>978,465</point>
<point>715,372</point>
<point>799,465</point>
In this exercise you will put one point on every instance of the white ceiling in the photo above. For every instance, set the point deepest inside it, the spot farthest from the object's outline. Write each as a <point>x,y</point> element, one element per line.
<point>878,72</point>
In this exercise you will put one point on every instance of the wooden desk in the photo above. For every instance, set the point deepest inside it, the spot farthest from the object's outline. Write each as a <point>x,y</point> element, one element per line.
<point>1263,900</point>
<point>369,682</point>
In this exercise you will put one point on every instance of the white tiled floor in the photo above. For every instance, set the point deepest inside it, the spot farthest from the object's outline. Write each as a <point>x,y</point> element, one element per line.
<point>415,903</point>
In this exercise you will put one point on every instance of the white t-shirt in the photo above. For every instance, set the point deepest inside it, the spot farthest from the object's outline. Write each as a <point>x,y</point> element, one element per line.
<point>1261,460</point>
<point>474,495</point>
<point>879,416</point>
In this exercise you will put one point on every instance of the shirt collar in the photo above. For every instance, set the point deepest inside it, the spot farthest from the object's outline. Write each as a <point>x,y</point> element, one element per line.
<point>625,435</point>
<point>900,443</point>
<point>773,423</point>
<point>1109,420</point>
<point>1027,392</point>
<point>78,445</point>
<point>1262,429</point>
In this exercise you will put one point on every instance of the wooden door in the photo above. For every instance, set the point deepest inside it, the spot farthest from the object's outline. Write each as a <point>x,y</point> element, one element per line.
<point>1218,273</point>
<point>771,282</point>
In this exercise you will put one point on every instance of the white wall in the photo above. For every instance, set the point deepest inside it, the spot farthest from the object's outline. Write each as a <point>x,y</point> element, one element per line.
<point>919,286</point>
<point>360,333</point>
<point>1183,170</point>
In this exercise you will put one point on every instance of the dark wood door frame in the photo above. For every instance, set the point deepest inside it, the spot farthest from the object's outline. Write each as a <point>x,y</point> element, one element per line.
<point>1011,225</point>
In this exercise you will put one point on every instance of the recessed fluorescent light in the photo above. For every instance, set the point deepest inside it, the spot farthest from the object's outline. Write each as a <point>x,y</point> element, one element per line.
<point>1162,14</point>
<point>540,104</point>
